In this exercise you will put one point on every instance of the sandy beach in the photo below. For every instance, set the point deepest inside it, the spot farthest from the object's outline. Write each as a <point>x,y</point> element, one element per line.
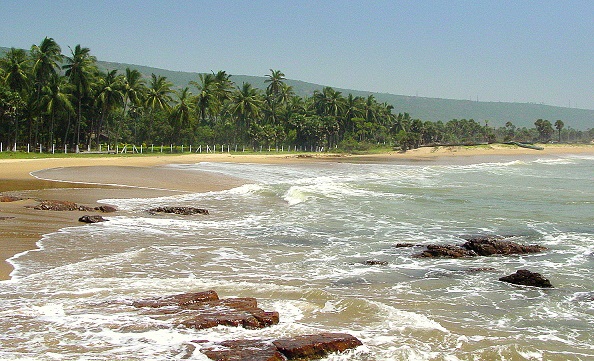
<point>87,180</point>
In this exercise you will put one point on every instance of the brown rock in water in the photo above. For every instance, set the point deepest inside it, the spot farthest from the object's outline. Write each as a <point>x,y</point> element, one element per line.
<point>526,278</point>
<point>404,245</point>
<point>244,350</point>
<point>375,262</point>
<point>49,205</point>
<point>9,199</point>
<point>487,246</point>
<point>233,312</point>
<point>181,300</point>
<point>91,219</point>
<point>185,211</point>
<point>207,310</point>
<point>106,209</point>
<point>316,346</point>
<point>445,251</point>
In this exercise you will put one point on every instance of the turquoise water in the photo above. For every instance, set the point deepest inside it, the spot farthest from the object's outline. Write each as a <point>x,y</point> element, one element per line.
<point>297,237</point>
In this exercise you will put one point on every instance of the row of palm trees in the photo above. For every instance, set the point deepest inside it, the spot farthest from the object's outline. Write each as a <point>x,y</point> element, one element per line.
<point>47,98</point>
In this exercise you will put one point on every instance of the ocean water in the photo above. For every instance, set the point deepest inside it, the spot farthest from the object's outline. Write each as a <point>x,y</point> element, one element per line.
<point>296,237</point>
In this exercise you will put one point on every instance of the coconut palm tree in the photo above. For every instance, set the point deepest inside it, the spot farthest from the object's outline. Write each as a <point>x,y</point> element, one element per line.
<point>182,111</point>
<point>15,66</point>
<point>46,59</point>
<point>559,125</point>
<point>273,90</point>
<point>80,68</point>
<point>157,97</point>
<point>56,97</point>
<point>109,95</point>
<point>206,98</point>
<point>246,105</point>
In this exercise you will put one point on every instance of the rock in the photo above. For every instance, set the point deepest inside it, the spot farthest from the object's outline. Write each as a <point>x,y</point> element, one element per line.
<point>481,269</point>
<point>404,245</point>
<point>91,219</point>
<point>181,300</point>
<point>447,251</point>
<point>49,205</point>
<point>233,312</point>
<point>106,209</point>
<point>185,211</point>
<point>243,350</point>
<point>487,246</point>
<point>208,311</point>
<point>306,347</point>
<point>315,346</point>
<point>527,278</point>
<point>375,262</point>
<point>9,199</point>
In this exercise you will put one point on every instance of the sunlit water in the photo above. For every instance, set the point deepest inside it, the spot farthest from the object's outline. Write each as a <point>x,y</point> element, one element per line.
<point>297,237</point>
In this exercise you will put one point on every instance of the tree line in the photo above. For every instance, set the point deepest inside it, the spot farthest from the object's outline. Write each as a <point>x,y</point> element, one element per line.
<point>48,99</point>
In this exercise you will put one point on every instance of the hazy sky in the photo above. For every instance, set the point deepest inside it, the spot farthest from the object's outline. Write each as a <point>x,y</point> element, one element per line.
<point>525,51</point>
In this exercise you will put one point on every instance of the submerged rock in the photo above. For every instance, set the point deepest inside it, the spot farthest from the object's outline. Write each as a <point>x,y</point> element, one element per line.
<point>207,310</point>
<point>243,350</point>
<point>526,278</point>
<point>404,245</point>
<point>180,300</point>
<point>91,219</point>
<point>106,209</point>
<point>50,205</point>
<point>307,347</point>
<point>445,251</point>
<point>488,246</point>
<point>479,246</point>
<point>9,199</point>
<point>316,346</point>
<point>185,211</point>
<point>375,262</point>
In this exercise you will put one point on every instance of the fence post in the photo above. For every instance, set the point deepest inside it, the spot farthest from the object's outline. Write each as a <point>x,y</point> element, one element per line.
<point>141,149</point>
<point>40,148</point>
<point>28,145</point>
<point>200,148</point>
<point>65,148</point>
<point>0,147</point>
<point>190,148</point>
<point>53,149</point>
<point>171,148</point>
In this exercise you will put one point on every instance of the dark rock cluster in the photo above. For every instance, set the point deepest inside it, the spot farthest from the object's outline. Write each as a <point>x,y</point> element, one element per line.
<point>202,310</point>
<point>184,211</point>
<point>526,278</point>
<point>479,246</point>
<point>51,205</point>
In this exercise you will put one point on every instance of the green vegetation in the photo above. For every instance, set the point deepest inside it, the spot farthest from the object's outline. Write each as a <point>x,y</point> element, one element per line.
<point>47,100</point>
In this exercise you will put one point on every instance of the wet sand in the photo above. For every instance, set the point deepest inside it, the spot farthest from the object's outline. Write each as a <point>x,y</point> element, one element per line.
<point>87,180</point>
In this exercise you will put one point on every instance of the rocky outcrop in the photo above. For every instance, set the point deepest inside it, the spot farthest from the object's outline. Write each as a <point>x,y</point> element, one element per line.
<point>91,219</point>
<point>5,218</point>
<point>244,350</point>
<point>445,251</point>
<point>526,278</point>
<point>315,346</point>
<point>404,245</point>
<point>375,262</point>
<point>307,347</point>
<point>185,211</point>
<point>479,246</point>
<point>488,246</point>
<point>49,205</point>
<point>9,199</point>
<point>106,209</point>
<point>52,205</point>
<point>206,310</point>
<point>181,300</point>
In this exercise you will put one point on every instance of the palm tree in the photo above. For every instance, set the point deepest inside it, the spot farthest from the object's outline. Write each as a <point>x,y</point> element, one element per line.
<point>206,97</point>
<point>157,97</point>
<point>245,106</point>
<point>109,94</point>
<point>182,111</point>
<point>15,65</point>
<point>559,125</point>
<point>80,67</point>
<point>133,88</point>
<point>46,58</point>
<point>275,80</point>
<point>56,97</point>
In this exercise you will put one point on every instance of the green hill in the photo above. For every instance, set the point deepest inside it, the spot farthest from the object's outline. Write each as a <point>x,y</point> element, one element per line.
<point>434,109</point>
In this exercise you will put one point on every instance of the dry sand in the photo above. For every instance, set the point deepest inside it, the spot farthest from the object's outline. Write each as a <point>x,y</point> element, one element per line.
<point>86,180</point>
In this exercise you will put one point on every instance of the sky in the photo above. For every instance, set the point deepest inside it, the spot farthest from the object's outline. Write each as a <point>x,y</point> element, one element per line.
<point>509,51</point>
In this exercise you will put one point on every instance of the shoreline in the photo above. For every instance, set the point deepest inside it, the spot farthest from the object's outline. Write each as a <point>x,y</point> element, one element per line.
<point>87,180</point>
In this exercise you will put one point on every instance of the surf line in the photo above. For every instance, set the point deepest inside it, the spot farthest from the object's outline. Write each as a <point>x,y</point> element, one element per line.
<point>102,184</point>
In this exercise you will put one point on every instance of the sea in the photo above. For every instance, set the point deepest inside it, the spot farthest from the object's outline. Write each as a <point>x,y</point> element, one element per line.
<point>298,238</point>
